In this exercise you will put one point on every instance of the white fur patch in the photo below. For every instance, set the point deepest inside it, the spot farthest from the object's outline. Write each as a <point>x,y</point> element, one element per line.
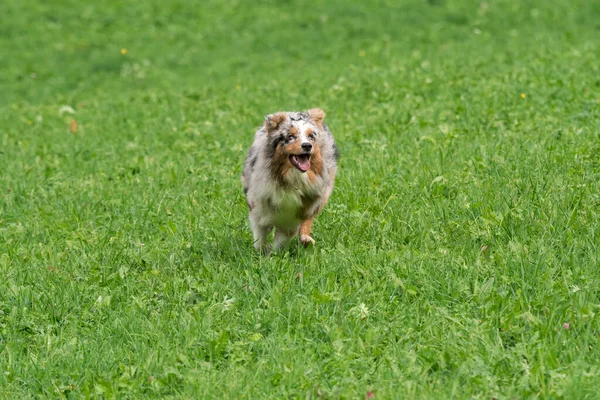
<point>288,202</point>
<point>306,240</point>
<point>302,134</point>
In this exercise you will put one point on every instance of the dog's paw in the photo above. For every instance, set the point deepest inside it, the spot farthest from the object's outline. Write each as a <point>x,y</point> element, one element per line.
<point>307,240</point>
<point>264,249</point>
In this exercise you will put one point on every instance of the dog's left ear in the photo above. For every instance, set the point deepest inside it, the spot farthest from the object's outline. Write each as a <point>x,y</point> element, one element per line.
<point>317,115</point>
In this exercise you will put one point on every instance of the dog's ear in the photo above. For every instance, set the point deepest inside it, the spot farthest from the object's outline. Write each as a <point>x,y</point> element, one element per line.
<point>272,121</point>
<point>317,115</point>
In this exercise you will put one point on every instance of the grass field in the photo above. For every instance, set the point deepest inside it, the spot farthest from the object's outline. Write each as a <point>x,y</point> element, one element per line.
<point>458,257</point>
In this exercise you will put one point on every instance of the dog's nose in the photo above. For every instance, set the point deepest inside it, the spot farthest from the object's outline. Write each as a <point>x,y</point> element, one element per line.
<point>306,146</point>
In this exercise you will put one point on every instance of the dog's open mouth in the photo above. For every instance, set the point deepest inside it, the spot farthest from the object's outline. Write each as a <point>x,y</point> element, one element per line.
<point>301,161</point>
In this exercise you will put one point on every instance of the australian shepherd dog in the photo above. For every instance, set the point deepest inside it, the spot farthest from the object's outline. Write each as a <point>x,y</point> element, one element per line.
<point>288,176</point>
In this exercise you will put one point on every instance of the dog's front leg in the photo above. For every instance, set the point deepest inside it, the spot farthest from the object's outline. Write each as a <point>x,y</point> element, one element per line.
<point>305,228</point>
<point>260,233</point>
<point>282,238</point>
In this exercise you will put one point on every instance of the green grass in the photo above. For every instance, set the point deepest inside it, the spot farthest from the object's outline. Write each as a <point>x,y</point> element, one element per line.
<point>463,232</point>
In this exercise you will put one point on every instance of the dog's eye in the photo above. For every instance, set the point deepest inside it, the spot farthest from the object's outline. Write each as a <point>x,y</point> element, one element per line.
<point>291,138</point>
<point>312,137</point>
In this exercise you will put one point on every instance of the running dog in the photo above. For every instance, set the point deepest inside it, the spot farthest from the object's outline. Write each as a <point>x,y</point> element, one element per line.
<point>288,176</point>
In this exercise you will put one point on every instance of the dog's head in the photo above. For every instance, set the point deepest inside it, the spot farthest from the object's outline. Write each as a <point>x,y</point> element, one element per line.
<point>293,139</point>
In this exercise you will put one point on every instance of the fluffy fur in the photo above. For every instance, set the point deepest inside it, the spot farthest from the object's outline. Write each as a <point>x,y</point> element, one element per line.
<point>288,176</point>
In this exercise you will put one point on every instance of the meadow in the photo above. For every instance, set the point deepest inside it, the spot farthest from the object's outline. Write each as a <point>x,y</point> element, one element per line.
<point>457,258</point>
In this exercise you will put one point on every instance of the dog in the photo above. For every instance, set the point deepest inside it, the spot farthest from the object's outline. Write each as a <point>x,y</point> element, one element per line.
<point>288,176</point>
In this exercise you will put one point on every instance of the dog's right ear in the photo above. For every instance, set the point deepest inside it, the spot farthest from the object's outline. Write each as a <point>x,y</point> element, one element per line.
<point>272,121</point>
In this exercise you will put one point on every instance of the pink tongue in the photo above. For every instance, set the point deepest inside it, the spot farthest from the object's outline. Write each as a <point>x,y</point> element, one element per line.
<point>303,163</point>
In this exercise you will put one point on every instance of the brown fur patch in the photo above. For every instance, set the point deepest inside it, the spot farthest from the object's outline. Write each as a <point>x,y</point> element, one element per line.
<point>294,148</point>
<point>274,120</point>
<point>308,131</point>
<point>317,115</point>
<point>294,130</point>
<point>281,165</point>
<point>316,165</point>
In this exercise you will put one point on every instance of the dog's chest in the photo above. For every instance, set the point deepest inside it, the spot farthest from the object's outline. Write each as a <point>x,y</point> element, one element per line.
<point>285,206</point>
